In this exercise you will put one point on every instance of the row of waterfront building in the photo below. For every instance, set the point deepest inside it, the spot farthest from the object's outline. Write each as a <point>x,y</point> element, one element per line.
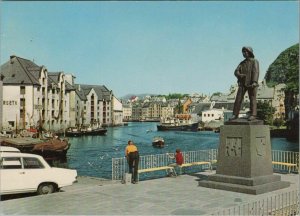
<point>32,96</point>
<point>202,108</point>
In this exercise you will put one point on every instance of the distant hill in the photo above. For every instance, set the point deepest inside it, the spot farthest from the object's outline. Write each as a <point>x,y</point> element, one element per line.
<point>285,69</point>
<point>128,96</point>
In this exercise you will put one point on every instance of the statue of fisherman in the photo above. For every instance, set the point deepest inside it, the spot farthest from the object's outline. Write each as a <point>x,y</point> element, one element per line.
<point>247,74</point>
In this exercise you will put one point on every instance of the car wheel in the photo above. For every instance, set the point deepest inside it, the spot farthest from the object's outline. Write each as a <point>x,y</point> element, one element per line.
<point>45,188</point>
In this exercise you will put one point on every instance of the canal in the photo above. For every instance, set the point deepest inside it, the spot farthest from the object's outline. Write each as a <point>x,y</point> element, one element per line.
<point>91,155</point>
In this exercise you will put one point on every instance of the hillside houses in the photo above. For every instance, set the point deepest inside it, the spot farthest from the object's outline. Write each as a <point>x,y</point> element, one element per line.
<point>204,109</point>
<point>33,97</point>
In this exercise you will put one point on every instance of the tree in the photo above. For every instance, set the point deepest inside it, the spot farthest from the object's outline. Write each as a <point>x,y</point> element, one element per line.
<point>278,122</point>
<point>265,112</point>
<point>285,69</point>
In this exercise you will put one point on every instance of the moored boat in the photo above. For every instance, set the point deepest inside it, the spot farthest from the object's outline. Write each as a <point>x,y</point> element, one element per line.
<point>95,131</point>
<point>50,149</point>
<point>73,132</point>
<point>158,142</point>
<point>181,122</point>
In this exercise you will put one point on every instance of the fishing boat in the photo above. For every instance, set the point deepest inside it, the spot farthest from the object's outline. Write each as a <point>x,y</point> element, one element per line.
<point>95,131</point>
<point>73,132</point>
<point>181,122</point>
<point>50,149</point>
<point>158,142</point>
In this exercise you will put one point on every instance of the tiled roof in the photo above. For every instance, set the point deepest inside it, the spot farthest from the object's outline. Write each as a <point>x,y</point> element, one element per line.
<point>20,71</point>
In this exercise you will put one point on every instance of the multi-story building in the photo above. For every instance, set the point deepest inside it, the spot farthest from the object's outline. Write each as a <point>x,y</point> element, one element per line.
<point>57,113</point>
<point>24,94</point>
<point>33,97</point>
<point>127,112</point>
<point>94,105</point>
<point>117,112</point>
<point>71,90</point>
<point>1,104</point>
<point>166,111</point>
<point>136,112</point>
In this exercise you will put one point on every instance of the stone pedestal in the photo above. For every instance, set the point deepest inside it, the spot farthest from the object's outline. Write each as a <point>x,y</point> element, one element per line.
<point>245,160</point>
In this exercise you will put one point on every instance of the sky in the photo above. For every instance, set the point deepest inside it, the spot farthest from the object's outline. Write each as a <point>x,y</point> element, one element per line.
<point>154,47</point>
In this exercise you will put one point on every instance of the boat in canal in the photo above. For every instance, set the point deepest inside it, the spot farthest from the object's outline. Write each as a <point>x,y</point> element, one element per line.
<point>158,142</point>
<point>73,132</point>
<point>95,131</point>
<point>181,122</point>
<point>50,149</point>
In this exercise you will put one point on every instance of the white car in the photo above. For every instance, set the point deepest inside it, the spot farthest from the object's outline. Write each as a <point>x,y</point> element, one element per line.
<point>24,173</point>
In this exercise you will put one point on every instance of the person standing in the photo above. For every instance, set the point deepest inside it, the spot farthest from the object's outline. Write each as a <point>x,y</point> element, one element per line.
<point>247,74</point>
<point>132,155</point>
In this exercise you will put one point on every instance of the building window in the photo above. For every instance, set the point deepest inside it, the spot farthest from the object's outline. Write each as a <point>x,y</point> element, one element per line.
<point>22,102</point>
<point>22,90</point>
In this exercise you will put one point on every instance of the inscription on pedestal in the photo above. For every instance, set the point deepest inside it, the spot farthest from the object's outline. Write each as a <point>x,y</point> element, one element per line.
<point>260,146</point>
<point>233,147</point>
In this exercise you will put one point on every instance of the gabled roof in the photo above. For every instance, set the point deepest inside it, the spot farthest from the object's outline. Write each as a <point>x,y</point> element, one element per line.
<point>102,92</point>
<point>20,71</point>
<point>80,93</point>
<point>69,87</point>
<point>53,78</point>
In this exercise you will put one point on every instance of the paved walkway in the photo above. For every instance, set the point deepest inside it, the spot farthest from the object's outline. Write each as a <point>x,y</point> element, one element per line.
<point>165,196</point>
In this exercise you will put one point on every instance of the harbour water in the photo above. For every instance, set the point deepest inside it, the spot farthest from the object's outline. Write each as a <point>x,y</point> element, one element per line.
<point>91,155</point>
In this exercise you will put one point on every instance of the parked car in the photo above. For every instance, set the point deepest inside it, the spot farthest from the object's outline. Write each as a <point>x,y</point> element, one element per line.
<point>8,149</point>
<point>25,173</point>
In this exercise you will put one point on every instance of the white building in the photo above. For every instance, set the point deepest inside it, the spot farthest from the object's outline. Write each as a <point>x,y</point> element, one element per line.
<point>167,110</point>
<point>127,112</point>
<point>94,105</point>
<point>24,94</point>
<point>33,97</point>
<point>117,112</point>
<point>1,104</point>
<point>212,115</point>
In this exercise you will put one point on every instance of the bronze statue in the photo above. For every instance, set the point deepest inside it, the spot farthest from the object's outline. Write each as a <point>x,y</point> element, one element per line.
<point>247,74</point>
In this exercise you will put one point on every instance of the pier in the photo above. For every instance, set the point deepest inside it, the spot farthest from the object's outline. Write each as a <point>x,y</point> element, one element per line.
<point>163,196</point>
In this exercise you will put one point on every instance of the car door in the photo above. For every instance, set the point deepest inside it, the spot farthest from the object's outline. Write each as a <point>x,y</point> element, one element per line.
<point>11,175</point>
<point>35,172</point>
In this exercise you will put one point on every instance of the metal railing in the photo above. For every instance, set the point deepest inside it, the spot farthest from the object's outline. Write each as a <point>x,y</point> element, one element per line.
<point>285,157</point>
<point>119,165</point>
<point>286,203</point>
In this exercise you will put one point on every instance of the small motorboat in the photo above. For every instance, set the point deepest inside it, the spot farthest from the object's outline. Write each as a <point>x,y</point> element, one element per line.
<point>158,142</point>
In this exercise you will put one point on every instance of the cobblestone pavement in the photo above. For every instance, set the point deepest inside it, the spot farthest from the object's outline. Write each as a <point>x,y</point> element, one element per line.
<point>164,196</point>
